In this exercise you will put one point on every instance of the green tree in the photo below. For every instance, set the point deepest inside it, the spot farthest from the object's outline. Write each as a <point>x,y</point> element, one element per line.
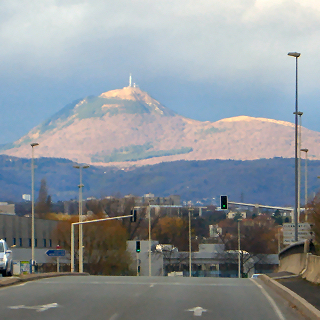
<point>314,212</point>
<point>175,231</point>
<point>104,245</point>
<point>43,203</point>
<point>258,237</point>
<point>278,217</point>
<point>237,217</point>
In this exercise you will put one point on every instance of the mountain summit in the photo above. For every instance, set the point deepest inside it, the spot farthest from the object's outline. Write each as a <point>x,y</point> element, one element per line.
<point>128,127</point>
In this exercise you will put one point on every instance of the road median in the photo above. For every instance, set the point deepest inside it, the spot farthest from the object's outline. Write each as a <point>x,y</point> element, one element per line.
<point>306,308</point>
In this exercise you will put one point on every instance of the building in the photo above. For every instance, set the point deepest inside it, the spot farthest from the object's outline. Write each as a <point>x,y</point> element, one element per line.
<point>232,214</point>
<point>210,261</point>
<point>6,208</point>
<point>16,231</point>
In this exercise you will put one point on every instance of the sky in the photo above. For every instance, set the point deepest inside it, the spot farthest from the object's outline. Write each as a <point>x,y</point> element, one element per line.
<point>203,59</point>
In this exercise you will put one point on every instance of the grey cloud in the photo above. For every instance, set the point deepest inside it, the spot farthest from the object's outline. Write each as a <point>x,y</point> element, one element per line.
<point>229,44</point>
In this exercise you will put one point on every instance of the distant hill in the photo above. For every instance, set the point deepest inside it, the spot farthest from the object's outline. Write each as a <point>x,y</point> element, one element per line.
<point>127,127</point>
<point>264,181</point>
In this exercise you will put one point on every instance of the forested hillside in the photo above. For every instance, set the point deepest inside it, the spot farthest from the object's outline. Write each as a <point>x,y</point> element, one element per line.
<point>264,181</point>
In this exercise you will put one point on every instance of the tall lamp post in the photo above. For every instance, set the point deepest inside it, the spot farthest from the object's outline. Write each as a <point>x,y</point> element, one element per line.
<point>299,113</point>
<point>296,55</point>
<point>149,238</point>
<point>34,144</point>
<point>80,217</point>
<point>190,243</point>
<point>239,252</point>
<point>305,183</point>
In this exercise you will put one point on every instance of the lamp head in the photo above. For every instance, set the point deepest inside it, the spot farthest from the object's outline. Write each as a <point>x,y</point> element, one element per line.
<point>34,144</point>
<point>294,54</point>
<point>304,150</point>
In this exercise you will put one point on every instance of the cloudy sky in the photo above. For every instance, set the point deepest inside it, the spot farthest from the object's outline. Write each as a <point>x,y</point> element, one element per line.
<point>204,59</point>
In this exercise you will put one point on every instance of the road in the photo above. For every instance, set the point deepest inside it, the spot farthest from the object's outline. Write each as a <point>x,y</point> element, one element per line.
<point>143,298</point>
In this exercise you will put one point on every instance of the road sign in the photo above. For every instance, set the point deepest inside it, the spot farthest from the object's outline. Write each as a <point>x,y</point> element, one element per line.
<point>56,253</point>
<point>304,232</point>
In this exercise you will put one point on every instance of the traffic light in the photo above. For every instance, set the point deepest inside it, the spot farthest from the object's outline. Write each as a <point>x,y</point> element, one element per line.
<point>224,202</point>
<point>133,215</point>
<point>138,246</point>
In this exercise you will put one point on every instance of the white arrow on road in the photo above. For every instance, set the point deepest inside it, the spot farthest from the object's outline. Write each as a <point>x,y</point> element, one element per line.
<point>197,311</point>
<point>38,308</point>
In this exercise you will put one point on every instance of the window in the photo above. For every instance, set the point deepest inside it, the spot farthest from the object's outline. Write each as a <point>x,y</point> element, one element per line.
<point>20,242</point>
<point>35,242</point>
<point>44,243</point>
<point>29,242</point>
<point>14,241</point>
<point>50,243</point>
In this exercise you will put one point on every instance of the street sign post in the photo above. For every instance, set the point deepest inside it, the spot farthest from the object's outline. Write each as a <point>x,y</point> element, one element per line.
<point>56,253</point>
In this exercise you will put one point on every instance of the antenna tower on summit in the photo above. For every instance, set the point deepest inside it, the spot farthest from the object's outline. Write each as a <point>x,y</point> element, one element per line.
<point>130,80</point>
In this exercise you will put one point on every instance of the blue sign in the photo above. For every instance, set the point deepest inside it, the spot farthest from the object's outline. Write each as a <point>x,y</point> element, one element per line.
<point>56,253</point>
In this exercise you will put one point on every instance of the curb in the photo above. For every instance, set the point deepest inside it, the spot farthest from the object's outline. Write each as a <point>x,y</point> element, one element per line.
<point>301,304</point>
<point>36,276</point>
<point>9,281</point>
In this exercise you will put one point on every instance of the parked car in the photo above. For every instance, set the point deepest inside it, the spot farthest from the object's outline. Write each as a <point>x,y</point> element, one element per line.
<point>6,265</point>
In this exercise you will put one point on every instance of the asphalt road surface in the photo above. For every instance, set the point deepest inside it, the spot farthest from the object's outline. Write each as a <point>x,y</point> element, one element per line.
<point>143,298</point>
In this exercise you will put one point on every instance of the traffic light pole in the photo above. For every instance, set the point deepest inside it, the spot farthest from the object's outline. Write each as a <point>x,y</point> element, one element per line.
<point>86,222</point>
<point>138,265</point>
<point>149,216</point>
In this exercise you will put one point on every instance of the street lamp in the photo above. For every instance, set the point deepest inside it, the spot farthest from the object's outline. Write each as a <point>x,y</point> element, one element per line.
<point>239,252</point>
<point>190,247</point>
<point>305,183</point>
<point>299,113</point>
<point>80,217</point>
<point>149,237</point>
<point>34,144</point>
<point>296,55</point>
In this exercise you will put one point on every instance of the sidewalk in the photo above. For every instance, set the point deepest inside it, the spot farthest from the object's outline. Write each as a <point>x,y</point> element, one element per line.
<point>302,287</point>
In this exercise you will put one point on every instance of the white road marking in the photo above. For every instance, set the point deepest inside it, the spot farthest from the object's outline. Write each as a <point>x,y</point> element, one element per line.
<point>273,304</point>
<point>22,284</point>
<point>114,317</point>
<point>151,285</point>
<point>197,311</point>
<point>148,284</point>
<point>37,308</point>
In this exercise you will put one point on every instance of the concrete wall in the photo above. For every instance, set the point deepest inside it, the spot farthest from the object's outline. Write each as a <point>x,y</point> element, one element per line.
<point>24,254</point>
<point>306,264</point>
<point>294,263</point>
<point>312,272</point>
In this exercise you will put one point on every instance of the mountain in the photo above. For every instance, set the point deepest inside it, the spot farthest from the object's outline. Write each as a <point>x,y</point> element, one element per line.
<point>127,127</point>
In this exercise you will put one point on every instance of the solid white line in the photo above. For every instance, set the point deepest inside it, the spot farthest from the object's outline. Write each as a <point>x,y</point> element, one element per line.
<point>273,304</point>
<point>149,284</point>
<point>13,286</point>
<point>114,317</point>
<point>22,284</point>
